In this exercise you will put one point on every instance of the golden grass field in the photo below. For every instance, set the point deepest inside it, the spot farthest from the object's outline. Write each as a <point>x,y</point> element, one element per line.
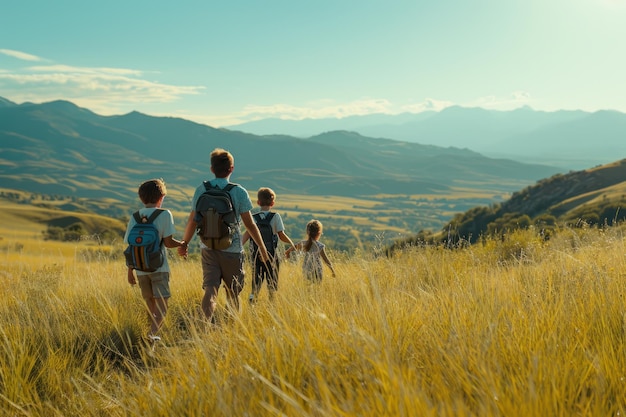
<point>511,327</point>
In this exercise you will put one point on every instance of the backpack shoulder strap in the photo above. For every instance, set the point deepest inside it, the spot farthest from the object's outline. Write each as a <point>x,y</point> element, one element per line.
<point>268,216</point>
<point>154,215</point>
<point>209,186</point>
<point>229,187</point>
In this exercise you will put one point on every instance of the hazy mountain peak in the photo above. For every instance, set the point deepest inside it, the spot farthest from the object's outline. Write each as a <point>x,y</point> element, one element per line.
<point>60,104</point>
<point>133,115</point>
<point>335,133</point>
<point>65,107</point>
<point>6,103</point>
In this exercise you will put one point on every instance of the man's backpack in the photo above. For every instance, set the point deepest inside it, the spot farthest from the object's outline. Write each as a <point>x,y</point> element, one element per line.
<point>270,239</point>
<point>144,244</point>
<point>216,220</point>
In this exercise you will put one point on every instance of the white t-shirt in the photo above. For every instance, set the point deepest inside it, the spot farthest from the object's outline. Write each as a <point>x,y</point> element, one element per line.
<point>276,222</point>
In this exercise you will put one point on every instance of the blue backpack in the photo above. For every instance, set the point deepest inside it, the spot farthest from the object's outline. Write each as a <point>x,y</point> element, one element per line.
<point>144,245</point>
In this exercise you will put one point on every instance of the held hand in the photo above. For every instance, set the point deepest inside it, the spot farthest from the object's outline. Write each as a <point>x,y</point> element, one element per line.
<point>288,251</point>
<point>183,250</point>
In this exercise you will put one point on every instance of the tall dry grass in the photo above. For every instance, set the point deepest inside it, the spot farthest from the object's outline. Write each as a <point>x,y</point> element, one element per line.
<point>512,327</point>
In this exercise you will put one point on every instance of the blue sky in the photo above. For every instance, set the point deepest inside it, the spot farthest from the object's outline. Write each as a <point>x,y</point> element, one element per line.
<point>226,62</point>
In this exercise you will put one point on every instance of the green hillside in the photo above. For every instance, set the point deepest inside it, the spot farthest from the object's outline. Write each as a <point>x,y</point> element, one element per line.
<point>44,216</point>
<point>592,197</point>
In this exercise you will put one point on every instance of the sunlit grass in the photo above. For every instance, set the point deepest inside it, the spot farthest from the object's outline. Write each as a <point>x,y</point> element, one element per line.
<point>511,327</point>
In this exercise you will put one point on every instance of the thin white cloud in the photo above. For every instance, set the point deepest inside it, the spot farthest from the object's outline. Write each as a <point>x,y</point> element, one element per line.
<point>20,55</point>
<point>103,90</point>
<point>327,108</point>
<point>520,96</point>
<point>83,70</point>
<point>428,104</point>
<point>514,100</point>
<point>316,110</point>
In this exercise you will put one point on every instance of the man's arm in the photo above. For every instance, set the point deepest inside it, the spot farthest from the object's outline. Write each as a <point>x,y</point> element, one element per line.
<point>253,230</point>
<point>190,228</point>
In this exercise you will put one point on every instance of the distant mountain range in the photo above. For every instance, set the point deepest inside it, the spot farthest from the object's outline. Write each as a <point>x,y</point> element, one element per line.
<point>59,148</point>
<point>568,139</point>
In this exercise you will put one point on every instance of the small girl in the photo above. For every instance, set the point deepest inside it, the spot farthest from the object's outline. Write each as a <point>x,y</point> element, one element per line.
<point>313,252</point>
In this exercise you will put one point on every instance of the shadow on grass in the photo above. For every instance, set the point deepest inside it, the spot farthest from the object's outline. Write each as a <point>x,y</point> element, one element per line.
<point>125,349</point>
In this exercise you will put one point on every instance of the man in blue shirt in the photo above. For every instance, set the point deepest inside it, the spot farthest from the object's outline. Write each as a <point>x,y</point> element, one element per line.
<point>224,265</point>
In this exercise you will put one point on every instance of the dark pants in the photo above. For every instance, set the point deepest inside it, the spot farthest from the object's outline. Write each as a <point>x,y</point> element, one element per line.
<point>265,271</point>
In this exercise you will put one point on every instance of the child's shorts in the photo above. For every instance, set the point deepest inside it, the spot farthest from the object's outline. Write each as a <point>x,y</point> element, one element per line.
<point>156,285</point>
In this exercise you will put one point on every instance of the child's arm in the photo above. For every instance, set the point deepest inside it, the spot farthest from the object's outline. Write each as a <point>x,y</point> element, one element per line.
<point>290,249</point>
<point>170,242</point>
<point>327,261</point>
<point>131,277</point>
<point>245,237</point>
<point>284,238</point>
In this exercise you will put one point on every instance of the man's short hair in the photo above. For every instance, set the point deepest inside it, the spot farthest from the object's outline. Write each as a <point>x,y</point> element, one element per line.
<point>221,162</point>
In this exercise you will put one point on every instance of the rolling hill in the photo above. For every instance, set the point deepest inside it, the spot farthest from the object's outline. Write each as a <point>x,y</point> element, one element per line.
<point>593,197</point>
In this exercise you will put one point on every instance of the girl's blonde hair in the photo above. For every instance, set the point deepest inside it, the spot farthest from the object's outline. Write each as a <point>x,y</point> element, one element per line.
<point>313,232</point>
